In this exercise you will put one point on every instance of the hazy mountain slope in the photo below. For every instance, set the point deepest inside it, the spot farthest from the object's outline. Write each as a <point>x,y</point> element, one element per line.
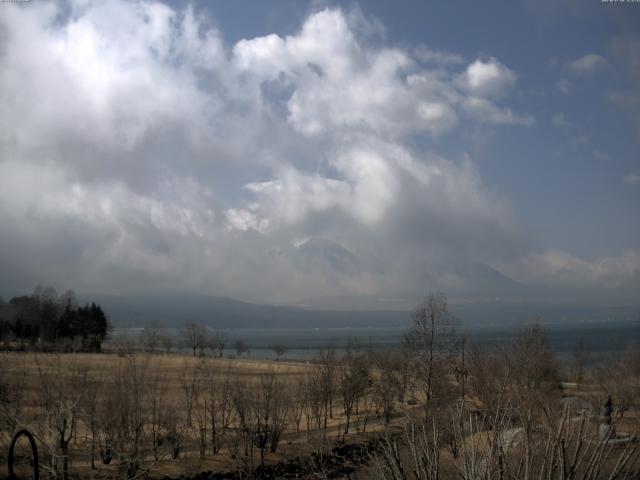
<point>219,312</point>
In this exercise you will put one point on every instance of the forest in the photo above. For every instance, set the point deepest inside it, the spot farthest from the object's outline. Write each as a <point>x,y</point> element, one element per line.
<point>47,321</point>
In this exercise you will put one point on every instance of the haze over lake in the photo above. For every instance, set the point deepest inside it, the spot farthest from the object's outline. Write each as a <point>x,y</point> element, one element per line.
<point>603,331</point>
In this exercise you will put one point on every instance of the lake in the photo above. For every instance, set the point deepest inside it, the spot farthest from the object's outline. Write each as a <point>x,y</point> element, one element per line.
<point>601,338</point>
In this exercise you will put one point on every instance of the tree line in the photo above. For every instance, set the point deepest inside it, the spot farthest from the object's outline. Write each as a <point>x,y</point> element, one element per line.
<point>199,340</point>
<point>46,320</point>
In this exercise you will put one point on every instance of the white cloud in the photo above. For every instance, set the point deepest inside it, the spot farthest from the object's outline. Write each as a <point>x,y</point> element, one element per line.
<point>150,154</point>
<point>484,81</point>
<point>107,90</point>
<point>340,85</point>
<point>563,86</point>
<point>559,120</point>
<point>293,196</point>
<point>601,156</point>
<point>245,219</point>
<point>487,78</point>
<point>484,111</point>
<point>580,141</point>
<point>563,270</point>
<point>588,64</point>
<point>632,179</point>
<point>428,55</point>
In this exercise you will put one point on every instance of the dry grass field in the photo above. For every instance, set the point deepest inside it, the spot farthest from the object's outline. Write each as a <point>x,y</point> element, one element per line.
<point>500,414</point>
<point>172,395</point>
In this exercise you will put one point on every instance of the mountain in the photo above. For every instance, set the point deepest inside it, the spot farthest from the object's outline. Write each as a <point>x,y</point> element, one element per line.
<point>221,312</point>
<point>484,282</point>
<point>333,254</point>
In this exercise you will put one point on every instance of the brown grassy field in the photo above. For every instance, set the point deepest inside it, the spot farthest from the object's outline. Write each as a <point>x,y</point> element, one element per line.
<point>64,381</point>
<point>140,415</point>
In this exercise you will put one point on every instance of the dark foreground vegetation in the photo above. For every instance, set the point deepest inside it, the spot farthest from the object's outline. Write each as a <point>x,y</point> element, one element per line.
<point>47,321</point>
<point>438,407</point>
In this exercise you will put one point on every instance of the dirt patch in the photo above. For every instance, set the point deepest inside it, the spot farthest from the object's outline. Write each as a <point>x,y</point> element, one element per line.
<point>341,462</point>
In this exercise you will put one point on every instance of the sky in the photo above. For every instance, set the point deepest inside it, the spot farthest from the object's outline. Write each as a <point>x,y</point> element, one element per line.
<point>287,152</point>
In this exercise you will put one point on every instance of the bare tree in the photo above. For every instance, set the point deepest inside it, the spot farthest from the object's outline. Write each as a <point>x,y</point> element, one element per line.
<point>90,408</point>
<point>630,359</point>
<point>150,337</point>
<point>353,382</point>
<point>387,384</point>
<point>209,402</point>
<point>124,343</point>
<point>160,409</point>
<point>174,434</point>
<point>216,395</point>
<point>499,447</point>
<point>240,346</point>
<point>60,392</point>
<point>195,337</point>
<point>531,357</point>
<point>191,384</point>
<point>489,375</point>
<point>201,412</point>
<point>262,413</point>
<point>328,363</point>
<point>432,341</point>
<point>167,343</point>
<point>123,418</point>
<point>279,350</point>
<point>273,406</point>
<point>218,342</point>
<point>298,401</point>
<point>225,403</point>
<point>316,397</point>
<point>243,442</point>
<point>579,362</point>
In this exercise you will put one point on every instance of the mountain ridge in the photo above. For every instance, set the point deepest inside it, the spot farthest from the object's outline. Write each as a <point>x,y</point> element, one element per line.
<point>173,310</point>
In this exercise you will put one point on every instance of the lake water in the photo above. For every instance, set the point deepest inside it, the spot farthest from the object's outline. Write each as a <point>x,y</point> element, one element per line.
<point>602,338</point>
